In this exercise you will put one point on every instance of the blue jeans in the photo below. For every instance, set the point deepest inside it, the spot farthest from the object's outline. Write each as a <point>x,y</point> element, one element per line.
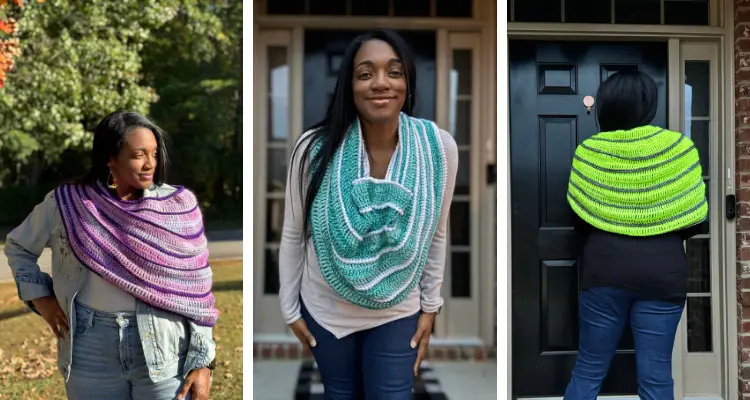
<point>604,312</point>
<point>108,360</point>
<point>374,364</point>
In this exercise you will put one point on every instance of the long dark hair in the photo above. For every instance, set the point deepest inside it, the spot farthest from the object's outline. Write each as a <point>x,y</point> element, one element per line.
<point>109,138</point>
<point>626,100</point>
<point>341,113</point>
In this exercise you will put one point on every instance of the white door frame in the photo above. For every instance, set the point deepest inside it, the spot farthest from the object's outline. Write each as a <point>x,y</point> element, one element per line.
<point>722,40</point>
<point>265,322</point>
<point>461,319</point>
<point>483,151</point>
<point>702,372</point>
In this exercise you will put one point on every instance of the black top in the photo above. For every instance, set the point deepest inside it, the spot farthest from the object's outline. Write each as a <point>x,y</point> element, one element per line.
<point>655,266</point>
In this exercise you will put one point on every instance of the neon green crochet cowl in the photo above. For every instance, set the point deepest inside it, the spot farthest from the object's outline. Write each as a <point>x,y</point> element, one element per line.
<point>641,182</point>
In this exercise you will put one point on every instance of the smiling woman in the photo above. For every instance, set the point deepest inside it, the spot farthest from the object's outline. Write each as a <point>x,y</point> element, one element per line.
<point>126,248</point>
<point>131,153</point>
<point>379,98</point>
<point>363,244</point>
<point>137,161</point>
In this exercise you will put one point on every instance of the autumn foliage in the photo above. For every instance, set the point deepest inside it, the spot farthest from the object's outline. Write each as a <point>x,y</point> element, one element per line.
<point>9,45</point>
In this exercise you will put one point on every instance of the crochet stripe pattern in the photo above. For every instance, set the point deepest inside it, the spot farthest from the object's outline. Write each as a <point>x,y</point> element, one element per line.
<point>152,248</point>
<point>371,236</point>
<point>641,182</point>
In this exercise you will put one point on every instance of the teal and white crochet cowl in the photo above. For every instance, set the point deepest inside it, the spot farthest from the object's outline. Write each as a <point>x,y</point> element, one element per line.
<point>371,236</point>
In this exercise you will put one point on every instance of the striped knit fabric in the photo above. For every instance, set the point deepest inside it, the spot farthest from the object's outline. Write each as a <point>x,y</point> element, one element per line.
<point>641,182</point>
<point>371,236</point>
<point>152,248</point>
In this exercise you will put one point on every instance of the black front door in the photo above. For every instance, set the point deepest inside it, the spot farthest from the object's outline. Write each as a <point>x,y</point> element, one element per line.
<point>548,82</point>
<point>323,52</point>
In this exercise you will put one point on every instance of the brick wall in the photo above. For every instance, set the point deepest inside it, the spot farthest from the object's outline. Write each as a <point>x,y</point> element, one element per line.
<point>742,179</point>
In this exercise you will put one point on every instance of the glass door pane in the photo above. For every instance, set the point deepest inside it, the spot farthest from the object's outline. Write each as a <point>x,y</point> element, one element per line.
<point>460,218</point>
<point>698,249</point>
<point>277,158</point>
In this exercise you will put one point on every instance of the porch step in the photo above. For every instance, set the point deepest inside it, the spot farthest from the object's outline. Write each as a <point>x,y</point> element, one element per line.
<point>309,386</point>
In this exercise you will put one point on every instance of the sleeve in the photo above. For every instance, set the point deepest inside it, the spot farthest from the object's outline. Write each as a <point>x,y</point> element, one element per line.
<point>202,347</point>
<point>23,247</point>
<point>291,252</point>
<point>432,276</point>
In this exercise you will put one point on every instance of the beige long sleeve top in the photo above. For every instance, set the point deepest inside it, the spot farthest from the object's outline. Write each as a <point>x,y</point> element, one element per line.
<point>301,278</point>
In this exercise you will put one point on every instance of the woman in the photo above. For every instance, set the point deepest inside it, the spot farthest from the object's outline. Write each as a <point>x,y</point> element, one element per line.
<point>129,298</point>
<point>363,243</point>
<point>637,193</point>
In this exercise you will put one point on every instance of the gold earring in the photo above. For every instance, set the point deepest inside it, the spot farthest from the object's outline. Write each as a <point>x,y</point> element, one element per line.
<point>112,185</point>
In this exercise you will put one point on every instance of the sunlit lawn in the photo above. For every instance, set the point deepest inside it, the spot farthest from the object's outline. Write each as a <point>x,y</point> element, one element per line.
<point>28,350</point>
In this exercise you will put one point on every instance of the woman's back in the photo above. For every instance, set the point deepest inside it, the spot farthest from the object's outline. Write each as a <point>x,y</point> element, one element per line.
<point>637,193</point>
<point>654,266</point>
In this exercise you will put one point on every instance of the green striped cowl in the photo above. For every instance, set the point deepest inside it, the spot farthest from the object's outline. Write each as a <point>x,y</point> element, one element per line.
<point>371,236</point>
<point>640,182</point>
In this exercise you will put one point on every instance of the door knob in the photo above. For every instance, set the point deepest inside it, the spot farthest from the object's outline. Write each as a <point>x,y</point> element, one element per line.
<point>588,101</point>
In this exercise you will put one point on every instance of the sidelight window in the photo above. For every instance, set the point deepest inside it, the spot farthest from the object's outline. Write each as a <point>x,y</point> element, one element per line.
<point>277,143</point>
<point>697,99</point>
<point>699,336</point>
<point>458,105</point>
<point>460,127</point>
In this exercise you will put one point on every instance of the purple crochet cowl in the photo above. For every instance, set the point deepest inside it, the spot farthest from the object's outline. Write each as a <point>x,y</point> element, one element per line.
<point>153,248</point>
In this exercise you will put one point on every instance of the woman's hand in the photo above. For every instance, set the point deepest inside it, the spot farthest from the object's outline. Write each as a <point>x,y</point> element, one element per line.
<point>299,327</point>
<point>53,315</point>
<point>199,381</point>
<point>422,337</point>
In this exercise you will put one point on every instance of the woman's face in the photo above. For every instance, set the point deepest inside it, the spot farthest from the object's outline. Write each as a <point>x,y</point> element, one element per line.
<point>378,83</point>
<point>135,166</point>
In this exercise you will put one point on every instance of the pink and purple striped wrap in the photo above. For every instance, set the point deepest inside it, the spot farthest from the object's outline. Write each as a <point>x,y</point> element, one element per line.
<point>153,248</point>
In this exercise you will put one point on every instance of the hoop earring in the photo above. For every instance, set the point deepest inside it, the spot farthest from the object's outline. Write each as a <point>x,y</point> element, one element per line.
<point>112,185</point>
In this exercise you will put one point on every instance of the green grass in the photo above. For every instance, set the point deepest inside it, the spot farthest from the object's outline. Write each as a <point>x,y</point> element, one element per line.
<point>28,351</point>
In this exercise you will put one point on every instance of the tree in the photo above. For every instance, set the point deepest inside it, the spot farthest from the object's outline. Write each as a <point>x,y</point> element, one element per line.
<point>200,98</point>
<point>179,61</point>
<point>80,60</point>
<point>9,44</point>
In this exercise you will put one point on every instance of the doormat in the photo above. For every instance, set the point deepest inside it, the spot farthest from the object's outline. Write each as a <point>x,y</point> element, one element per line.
<point>309,386</point>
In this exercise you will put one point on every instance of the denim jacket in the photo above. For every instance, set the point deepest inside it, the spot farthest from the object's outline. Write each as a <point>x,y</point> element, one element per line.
<point>162,333</point>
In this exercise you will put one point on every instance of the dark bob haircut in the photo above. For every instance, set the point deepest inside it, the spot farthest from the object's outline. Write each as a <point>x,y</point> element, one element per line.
<point>626,100</point>
<point>341,114</point>
<point>109,138</point>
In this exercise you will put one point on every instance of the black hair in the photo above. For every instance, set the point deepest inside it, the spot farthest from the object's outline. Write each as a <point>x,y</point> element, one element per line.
<point>329,133</point>
<point>109,138</point>
<point>626,100</point>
